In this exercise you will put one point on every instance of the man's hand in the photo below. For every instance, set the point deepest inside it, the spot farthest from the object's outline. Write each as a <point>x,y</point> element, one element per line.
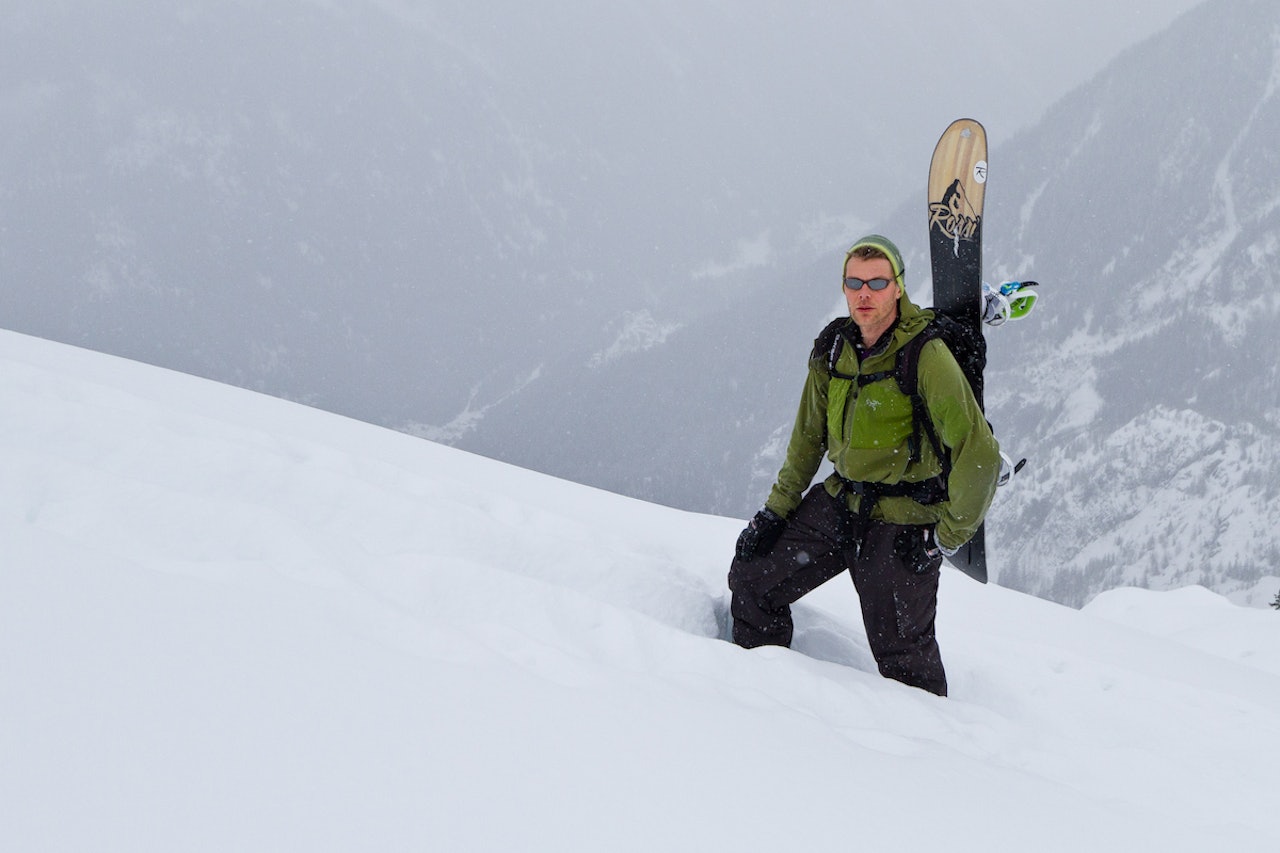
<point>946,552</point>
<point>919,549</point>
<point>760,535</point>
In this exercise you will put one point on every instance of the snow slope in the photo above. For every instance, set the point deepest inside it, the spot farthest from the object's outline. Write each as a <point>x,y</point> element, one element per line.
<point>228,622</point>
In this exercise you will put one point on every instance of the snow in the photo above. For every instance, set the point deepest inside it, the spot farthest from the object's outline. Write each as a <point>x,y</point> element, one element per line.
<point>231,622</point>
<point>641,331</point>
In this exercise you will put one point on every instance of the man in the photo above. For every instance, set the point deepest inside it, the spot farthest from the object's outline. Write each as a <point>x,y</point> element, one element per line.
<point>893,507</point>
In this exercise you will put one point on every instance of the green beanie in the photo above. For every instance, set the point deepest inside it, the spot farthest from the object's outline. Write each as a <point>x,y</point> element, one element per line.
<point>885,245</point>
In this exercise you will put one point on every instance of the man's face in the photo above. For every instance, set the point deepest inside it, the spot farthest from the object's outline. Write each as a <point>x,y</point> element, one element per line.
<point>873,310</point>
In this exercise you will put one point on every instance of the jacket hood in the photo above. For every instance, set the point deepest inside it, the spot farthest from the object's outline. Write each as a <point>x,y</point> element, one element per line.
<point>911,317</point>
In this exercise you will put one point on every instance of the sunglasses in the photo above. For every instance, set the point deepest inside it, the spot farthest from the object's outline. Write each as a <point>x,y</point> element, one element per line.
<point>874,284</point>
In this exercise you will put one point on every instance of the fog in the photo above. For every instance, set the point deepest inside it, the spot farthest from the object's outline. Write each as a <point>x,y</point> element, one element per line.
<point>406,211</point>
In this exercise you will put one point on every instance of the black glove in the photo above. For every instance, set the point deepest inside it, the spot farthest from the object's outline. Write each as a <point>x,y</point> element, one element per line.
<point>760,535</point>
<point>918,549</point>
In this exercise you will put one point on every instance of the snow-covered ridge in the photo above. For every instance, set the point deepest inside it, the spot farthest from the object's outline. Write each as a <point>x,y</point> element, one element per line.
<point>640,331</point>
<point>1182,499</point>
<point>231,622</point>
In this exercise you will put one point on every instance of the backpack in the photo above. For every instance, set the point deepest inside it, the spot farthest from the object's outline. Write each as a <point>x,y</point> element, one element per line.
<point>967,346</point>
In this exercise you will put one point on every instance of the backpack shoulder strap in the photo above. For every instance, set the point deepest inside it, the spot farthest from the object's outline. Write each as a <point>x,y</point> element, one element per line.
<point>906,370</point>
<point>907,373</point>
<point>968,347</point>
<point>829,344</point>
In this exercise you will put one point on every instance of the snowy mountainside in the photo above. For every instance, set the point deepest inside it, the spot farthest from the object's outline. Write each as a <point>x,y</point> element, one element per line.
<point>232,622</point>
<point>1170,499</point>
<point>1146,387</point>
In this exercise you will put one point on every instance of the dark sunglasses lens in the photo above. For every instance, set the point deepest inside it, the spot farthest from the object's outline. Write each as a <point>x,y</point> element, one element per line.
<point>874,284</point>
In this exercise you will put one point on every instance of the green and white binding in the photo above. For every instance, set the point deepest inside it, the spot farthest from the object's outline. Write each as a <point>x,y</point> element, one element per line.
<point>1012,300</point>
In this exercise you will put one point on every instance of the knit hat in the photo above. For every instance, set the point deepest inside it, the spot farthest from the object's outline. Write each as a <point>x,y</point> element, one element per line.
<point>885,245</point>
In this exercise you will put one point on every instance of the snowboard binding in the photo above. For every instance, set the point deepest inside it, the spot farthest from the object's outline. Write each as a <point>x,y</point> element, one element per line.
<point>1012,300</point>
<point>1008,468</point>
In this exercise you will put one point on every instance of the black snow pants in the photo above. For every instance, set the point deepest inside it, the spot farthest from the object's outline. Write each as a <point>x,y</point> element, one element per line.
<point>898,605</point>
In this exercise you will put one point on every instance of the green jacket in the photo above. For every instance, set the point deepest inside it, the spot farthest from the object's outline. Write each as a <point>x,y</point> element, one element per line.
<point>865,433</point>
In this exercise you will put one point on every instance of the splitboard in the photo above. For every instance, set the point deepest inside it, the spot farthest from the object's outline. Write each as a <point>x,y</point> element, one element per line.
<point>957,188</point>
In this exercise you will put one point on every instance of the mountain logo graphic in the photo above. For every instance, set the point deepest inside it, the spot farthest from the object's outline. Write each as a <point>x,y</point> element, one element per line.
<point>954,217</point>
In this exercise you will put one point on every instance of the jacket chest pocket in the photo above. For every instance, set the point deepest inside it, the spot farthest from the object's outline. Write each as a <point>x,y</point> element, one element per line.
<point>878,417</point>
